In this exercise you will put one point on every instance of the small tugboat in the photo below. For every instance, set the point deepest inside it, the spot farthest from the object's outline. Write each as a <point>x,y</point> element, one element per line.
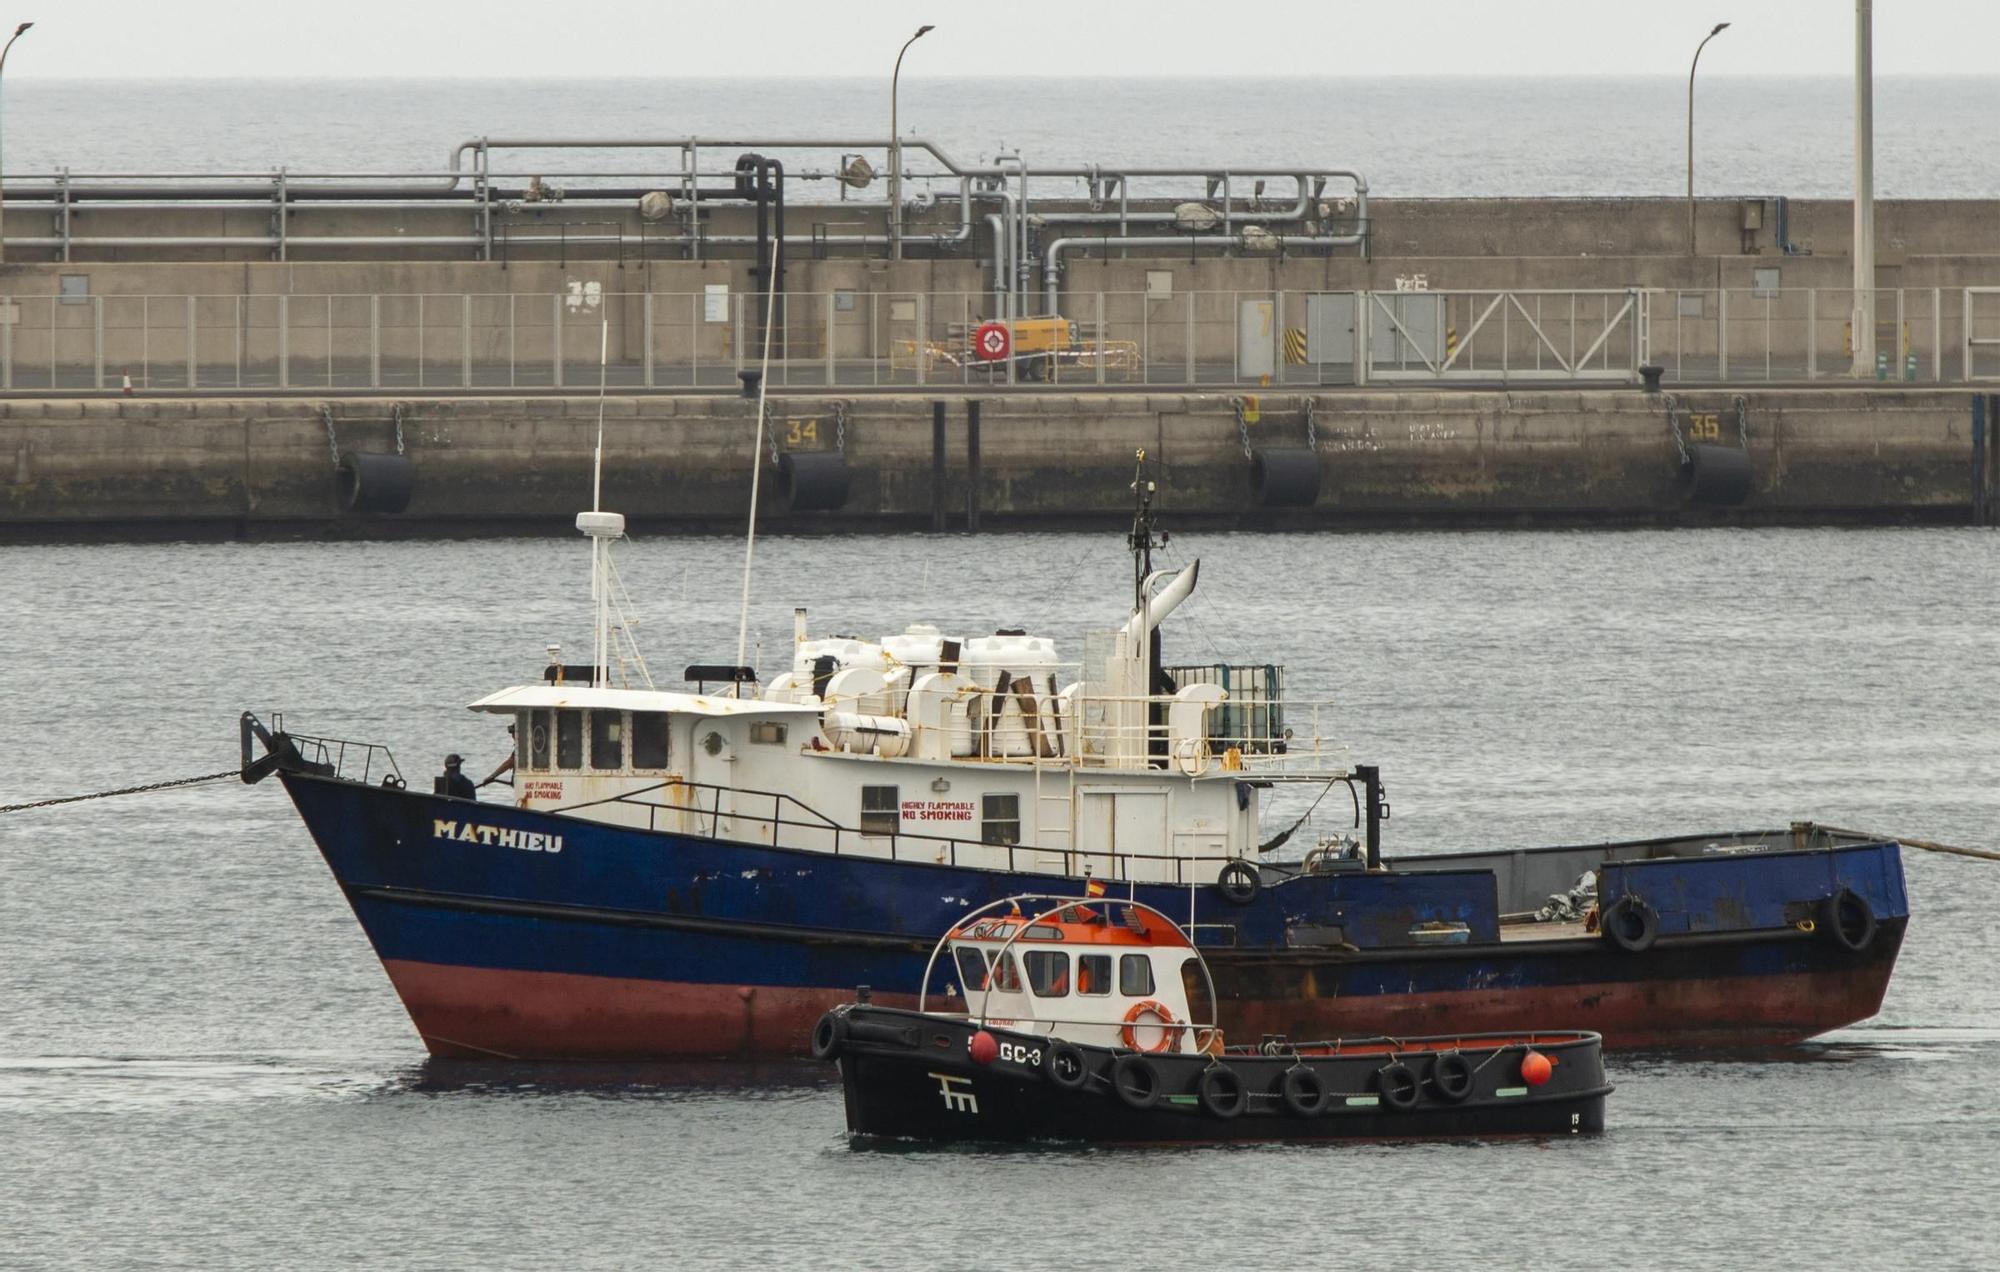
<point>1093,1020</point>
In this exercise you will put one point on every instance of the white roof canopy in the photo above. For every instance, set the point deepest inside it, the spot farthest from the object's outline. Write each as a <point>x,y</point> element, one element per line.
<point>525,697</point>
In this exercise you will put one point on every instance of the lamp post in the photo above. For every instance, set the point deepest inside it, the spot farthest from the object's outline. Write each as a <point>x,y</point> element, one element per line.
<point>1720,27</point>
<point>1863,320</point>
<point>19,31</point>
<point>896,152</point>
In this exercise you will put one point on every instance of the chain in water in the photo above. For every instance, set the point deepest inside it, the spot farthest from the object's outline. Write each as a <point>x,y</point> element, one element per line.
<point>128,790</point>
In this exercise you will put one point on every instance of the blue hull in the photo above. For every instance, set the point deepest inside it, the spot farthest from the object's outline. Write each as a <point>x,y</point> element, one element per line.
<point>641,944</point>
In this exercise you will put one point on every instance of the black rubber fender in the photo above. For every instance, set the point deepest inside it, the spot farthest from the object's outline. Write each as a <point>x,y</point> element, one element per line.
<point>1303,1091</point>
<point>370,482</point>
<point>1716,476</point>
<point>1285,477</point>
<point>813,481</point>
<point>1631,924</point>
<point>1136,1080</point>
<point>1851,920</point>
<point>1065,1065</point>
<point>828,1035</point>
<point>1220,1090</point>
<point>1239,882</point>
<point>1397,1085</point>
<point>1451,1076</point>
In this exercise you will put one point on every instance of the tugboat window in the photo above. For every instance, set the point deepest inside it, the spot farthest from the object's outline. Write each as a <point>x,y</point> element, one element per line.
<point>879,810</point>
<point>971,969</point>
<point>1093,973</point>
<point>1200,1007</point>
<point>607,739</point>
<point>1004,977</point>
<point>1135,976</point>
<point>649,739</point>
<point>569,739</point>
<point>1000,819</point>
<point>1048,972</point>
<point>768,733</point>
<point>536,741</point>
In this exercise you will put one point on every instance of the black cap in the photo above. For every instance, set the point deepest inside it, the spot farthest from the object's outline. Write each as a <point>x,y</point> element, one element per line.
<point>452,761</point>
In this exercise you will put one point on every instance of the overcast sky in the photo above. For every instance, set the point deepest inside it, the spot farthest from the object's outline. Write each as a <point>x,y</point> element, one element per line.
<point>551,38</point>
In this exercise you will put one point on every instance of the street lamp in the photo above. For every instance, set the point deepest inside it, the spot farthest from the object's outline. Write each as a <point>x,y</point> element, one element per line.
<point>896,152</point>
<point>19,31</point>
<point>1720,27</point>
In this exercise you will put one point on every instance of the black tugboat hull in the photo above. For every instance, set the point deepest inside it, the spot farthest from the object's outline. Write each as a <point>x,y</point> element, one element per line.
<point>911,1077</point>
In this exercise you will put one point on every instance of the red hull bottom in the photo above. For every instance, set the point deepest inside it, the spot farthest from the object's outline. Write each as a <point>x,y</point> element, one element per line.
<point>469,1012</point>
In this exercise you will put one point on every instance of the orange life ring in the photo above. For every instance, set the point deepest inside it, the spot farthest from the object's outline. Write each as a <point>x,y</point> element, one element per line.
<point>1170,1032</point>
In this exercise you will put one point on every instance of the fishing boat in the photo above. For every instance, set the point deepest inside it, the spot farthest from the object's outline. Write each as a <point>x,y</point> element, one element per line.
<point>1092,1019</point>
<point>704,868</point>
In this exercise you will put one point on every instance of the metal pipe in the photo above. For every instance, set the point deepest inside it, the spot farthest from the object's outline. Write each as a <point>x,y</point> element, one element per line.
<point>1864,188</point>
<point>1052,269</point>
<point>19,31</point>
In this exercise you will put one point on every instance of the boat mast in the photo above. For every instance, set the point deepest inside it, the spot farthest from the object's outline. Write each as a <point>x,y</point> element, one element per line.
<point>1141,539</point>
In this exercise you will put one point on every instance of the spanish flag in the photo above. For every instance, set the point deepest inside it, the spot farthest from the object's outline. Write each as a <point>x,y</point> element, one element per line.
<point>1093,887</point>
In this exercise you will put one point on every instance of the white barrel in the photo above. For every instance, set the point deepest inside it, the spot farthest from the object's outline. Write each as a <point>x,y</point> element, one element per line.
<point>1008,728</point>
<point>859,734</point>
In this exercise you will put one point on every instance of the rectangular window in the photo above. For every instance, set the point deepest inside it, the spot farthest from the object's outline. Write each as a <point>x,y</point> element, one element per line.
<point>527,724</point>
<point>1000,819</point>
<point>971,969</point>
<point>649,739</point>
<point>1004,978</point>
<point>767,733</point>
<point>1093,973</point>
<point>880,810</point>
<point>1135,976</point>
<point>1048,972</point>
<point>607,739</point>
<point>569,739</point>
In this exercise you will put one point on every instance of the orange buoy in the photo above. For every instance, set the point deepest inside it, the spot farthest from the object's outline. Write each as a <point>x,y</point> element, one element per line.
<point>1536,1068</point>
<point>984,1048</point>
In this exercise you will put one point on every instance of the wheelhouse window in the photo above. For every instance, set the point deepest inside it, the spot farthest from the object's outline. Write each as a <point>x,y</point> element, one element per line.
<point>1005,979</point>
<point>1000,819</point>
<point>1093,973</point>
<point>534,741</point>
<point>1135,975</point>
<point>569,739</point>
<point>607,739</point>
<point>649,739</point>
<point>1195,982</point>
<point>1048,972</point>
<point>971,969</point>
<point>880,810</point>
<point>768,732</point>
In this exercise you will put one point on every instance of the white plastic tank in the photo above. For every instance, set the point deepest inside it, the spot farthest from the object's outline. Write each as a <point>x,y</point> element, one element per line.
<point>846,651</point>
<point>1007,729</point>
<point>911,654</point>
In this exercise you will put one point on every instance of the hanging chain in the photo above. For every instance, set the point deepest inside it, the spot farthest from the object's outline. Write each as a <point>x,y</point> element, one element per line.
<point>1674,423</point>
<point>840,427</point>
<point>1312,431</point>
<point>396,414</point>
<point>332,442</point>
<point>1242,427</point>
<point>770,434</point>
<point>1742,420</point>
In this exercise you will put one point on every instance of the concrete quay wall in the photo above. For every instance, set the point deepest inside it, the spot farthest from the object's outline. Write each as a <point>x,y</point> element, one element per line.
<point>264,467</point>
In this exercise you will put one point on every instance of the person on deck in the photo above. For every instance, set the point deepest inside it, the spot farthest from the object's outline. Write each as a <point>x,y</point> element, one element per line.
<point>454,782</point>
<point>506,765</point>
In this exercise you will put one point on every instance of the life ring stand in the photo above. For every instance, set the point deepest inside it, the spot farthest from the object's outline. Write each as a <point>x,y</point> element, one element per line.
<point>1170,1029</point>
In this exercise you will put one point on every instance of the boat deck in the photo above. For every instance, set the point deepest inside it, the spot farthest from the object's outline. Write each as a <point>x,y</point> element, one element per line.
<point>1550,931</point>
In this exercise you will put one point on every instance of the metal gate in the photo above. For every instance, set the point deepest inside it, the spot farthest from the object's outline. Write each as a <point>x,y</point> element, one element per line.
<point>1504,336</point>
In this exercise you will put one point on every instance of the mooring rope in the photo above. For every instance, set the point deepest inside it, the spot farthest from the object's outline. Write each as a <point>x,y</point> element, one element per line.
<point>127,790</point>
<point>1926,845</point>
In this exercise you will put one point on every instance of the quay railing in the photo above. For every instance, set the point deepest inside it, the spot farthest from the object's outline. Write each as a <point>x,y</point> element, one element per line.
<point>1239,340</point>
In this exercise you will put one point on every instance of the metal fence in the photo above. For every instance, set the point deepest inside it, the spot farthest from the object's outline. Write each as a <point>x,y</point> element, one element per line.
<point>858,339</point>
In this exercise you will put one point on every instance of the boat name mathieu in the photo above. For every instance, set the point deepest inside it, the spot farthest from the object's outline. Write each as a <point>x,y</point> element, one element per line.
<point>495,835</point>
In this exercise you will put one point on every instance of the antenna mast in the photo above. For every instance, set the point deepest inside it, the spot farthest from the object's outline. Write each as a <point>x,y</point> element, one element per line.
<point>757,455</point>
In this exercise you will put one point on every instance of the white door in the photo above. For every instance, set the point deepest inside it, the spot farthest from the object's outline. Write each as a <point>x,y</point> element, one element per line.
<point>1256,340</point>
